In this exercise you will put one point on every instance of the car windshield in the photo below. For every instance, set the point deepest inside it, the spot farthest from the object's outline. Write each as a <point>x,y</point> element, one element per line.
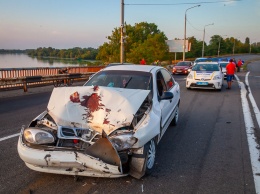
<point>183,63</point>
<point>200,60</point>
<point>122,79</point>
<point>223,64</point>
<point>206,67</point>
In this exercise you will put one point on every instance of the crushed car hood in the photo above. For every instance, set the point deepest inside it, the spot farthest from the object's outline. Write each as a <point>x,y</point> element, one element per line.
<point>97,108</point>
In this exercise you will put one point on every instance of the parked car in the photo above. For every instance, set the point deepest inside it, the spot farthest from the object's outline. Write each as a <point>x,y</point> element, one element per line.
<point>182,67</point>
<point>107,128</point>
<point>223,65</point>
<point>197,60</point>
<point>205,75</point>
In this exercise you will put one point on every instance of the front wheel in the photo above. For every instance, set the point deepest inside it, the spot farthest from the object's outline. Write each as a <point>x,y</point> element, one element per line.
<point>176,116</point>
<point>150,156</point>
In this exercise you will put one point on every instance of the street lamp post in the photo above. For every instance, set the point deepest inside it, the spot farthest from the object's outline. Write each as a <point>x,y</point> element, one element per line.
<point>184,41</point>
<point>204,38</point>
<point>122,33</point>
<point>219,44</point>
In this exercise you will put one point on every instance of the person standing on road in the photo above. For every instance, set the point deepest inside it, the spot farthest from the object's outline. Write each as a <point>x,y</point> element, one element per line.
<point>142,61</point>
<point>231,69</point>
<point>239,64</point>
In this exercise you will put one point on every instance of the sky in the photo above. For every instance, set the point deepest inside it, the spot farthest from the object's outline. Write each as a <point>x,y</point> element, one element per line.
<point>63,24</point>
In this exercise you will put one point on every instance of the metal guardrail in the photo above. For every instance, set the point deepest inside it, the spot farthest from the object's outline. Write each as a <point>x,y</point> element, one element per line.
<point>35,71</point>
<point>24,77</point>
<point>6,83</point>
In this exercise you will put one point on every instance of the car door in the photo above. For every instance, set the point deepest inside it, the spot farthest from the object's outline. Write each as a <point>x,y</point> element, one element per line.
<point>165,82</point>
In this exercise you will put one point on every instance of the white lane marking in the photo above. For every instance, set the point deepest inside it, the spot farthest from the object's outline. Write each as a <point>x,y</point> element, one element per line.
<point>10,136</point>
<point>252,100</point>
<point>254,152</point>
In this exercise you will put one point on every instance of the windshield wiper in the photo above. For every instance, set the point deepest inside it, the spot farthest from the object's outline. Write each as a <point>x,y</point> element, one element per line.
<point>127,82</point>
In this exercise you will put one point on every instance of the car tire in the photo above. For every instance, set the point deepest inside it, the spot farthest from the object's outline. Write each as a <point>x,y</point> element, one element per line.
<point>176,117</point>
<point>150,148</point>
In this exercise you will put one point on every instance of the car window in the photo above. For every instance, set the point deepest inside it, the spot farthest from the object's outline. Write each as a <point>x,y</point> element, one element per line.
<point>183,63</point>
<point>206,67</point>
<point>168,79</point>
<point>223,64</point>
<point>161,87</point>
<point>122,79</point>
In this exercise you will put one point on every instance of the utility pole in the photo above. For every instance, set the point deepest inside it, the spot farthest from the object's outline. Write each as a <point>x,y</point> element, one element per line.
<point>122,49</point>
<point>219,44</point>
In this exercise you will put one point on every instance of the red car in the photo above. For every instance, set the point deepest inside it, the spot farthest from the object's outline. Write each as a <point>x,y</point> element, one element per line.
<point>182,67</point>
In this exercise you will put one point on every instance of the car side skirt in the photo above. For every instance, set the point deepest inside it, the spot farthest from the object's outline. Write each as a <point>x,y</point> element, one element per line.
<point>167,124</point>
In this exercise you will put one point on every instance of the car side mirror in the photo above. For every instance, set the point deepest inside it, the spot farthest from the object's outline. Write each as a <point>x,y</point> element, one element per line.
<point>166,96</point>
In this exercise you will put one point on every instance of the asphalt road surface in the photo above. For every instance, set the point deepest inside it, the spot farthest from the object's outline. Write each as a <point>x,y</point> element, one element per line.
<point>207,152</point>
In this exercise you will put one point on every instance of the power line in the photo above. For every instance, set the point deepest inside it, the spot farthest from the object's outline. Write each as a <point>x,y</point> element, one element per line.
<point>202,2</point>
<point>193,26</point>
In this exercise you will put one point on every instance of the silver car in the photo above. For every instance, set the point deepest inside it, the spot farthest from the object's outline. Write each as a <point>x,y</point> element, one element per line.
<point>107,128</point>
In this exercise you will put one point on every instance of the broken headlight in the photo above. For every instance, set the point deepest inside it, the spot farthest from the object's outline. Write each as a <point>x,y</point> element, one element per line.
<point>38,136</point>
<point>123,141</point>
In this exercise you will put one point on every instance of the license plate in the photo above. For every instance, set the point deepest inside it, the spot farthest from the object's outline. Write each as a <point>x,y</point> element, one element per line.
<point>202,83</point>
<point>179,71</point>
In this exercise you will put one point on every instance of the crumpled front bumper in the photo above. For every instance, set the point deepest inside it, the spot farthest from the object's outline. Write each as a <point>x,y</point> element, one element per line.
<point>67,162</point>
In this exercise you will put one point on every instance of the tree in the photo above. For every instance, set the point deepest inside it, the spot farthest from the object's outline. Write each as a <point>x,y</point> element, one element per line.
<point>246,46</point>
<point>143,40</point>
<point>196,48</point>
<point>212,48</point>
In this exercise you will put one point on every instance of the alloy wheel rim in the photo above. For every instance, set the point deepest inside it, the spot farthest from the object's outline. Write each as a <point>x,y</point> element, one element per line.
<point>177,114</point>
<point>151,155</point>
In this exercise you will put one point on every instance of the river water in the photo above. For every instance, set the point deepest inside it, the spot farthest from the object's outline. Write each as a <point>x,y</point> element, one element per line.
<point>24,61</point>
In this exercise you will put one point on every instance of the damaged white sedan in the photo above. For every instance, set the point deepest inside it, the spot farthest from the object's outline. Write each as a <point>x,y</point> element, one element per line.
<point>107,128</point>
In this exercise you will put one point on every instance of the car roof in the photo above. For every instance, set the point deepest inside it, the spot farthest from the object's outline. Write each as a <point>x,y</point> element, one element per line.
<point>200,58</point>
<point>209,62</point>
<point>114,64</point>
<point>143,68</point>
